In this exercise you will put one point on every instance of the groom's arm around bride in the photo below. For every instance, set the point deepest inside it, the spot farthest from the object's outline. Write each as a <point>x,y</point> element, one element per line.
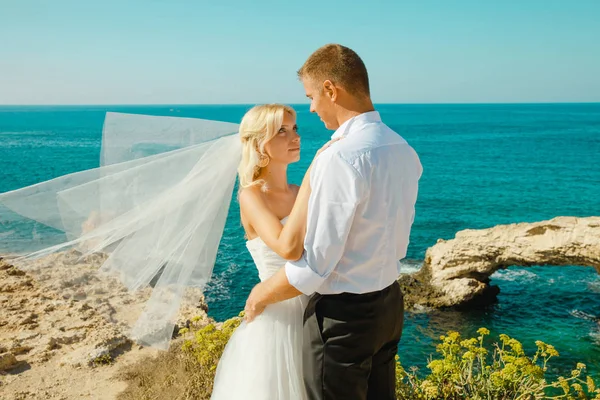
<point>361,209</point>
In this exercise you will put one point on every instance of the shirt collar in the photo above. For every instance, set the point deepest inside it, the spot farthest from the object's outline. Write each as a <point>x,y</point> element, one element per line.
<point>360,119</point>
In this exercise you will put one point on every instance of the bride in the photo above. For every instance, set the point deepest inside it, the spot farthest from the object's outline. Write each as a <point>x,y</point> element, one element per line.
<point>156,207</point>
<point>263,359</point>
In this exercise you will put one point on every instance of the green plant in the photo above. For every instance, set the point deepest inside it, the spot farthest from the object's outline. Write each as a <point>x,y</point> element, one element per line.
<point>205,350</point>
<point>104,359</point>
<point>467,370</point>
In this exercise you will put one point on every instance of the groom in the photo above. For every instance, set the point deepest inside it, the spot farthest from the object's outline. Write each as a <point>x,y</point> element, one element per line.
<point>361,209</point>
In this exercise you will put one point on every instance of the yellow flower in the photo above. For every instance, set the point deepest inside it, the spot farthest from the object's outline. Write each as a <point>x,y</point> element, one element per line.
<point>564,384</point>
<point>496,378</point>
<point>590,384</point>
<point>578,388</point>
<point>509,369</point>
<point>430,389</point>
<point>483,331</point>
<point>469,343</point>
<point>551,351</point>
<point>436,367</point>
<point>453,336</point>
<point>516,346</point>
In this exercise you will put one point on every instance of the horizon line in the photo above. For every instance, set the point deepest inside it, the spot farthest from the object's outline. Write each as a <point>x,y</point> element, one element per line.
<point>291,103</point>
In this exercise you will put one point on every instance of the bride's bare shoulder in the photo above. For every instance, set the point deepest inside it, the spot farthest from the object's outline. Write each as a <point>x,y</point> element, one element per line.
<point>253,202</point>
<point>251,196</point>
<point>250,200</point>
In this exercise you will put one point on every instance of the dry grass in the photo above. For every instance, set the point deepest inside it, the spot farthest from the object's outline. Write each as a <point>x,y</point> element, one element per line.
<point>186,371</point>
<point>173,375</point>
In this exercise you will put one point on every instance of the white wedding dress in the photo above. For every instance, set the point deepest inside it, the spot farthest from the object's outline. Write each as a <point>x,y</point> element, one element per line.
<point>263,359</point>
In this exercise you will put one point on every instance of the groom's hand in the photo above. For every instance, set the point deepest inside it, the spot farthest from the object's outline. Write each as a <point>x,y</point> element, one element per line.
<point>254,306</point>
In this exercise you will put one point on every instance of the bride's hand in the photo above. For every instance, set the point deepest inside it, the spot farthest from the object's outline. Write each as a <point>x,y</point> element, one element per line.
<point>322,149</point>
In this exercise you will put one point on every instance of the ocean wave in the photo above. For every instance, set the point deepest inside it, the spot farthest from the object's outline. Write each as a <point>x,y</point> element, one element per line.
<point>6,234</point>
<point>421,309</point>
<point>408,266</point>
<point>583,315</point>
<point>596,336</point>
<point>219,286</point>
<point>594,286</point>
<point>512,275</point>
<point>22,133</point>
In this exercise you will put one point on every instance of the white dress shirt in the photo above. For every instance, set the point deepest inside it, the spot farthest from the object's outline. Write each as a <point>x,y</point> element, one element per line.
<point>360,211</point>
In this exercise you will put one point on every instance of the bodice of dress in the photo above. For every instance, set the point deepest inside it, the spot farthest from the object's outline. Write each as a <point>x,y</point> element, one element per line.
<point>266,260</point>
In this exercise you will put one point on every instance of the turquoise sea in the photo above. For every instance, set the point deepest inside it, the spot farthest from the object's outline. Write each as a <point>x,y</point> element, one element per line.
<point>483,165</point>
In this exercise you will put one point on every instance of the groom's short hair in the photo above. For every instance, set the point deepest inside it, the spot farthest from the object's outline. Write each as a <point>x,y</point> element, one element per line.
<point>341,65</point>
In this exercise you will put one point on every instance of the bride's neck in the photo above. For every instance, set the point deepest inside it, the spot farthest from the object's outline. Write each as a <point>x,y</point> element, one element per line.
<point>275,176</point>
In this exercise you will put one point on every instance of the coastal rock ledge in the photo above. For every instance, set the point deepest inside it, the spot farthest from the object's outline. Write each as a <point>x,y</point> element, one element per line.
<point>457,272</point>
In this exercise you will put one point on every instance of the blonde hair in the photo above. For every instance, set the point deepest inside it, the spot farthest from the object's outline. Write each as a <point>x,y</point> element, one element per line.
<point>259,125</point>
<point>339,64</point>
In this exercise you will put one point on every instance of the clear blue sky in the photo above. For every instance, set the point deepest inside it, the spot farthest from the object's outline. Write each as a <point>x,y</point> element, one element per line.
<point>221,51</point>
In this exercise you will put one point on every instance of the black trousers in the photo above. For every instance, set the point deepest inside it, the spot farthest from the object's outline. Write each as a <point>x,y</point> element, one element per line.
<point>350,344</point>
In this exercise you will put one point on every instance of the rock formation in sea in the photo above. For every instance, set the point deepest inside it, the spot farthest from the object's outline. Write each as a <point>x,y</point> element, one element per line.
<point>457,272</point>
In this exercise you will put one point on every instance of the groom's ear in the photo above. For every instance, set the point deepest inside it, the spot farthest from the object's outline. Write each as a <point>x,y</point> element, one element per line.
<point>330,90</point>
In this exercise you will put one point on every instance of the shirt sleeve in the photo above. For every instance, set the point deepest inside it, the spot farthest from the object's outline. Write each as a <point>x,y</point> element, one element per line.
<point>337,190</point>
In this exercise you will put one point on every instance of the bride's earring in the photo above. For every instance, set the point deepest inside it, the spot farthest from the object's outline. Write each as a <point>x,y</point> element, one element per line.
<point>264,161</point>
